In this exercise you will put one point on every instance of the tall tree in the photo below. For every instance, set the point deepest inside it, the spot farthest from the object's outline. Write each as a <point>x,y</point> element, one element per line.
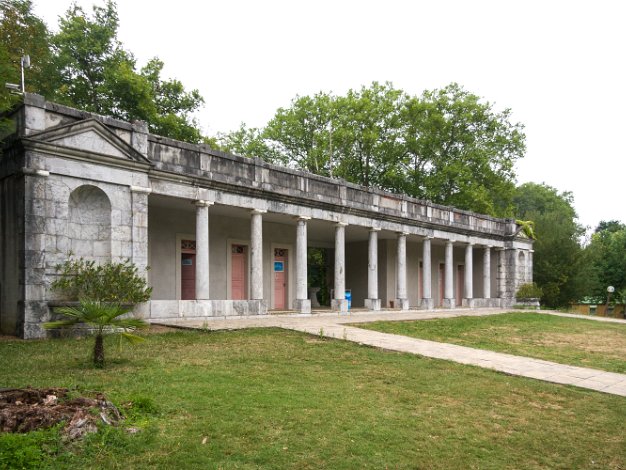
<point>97,74</point>
<point>367,127</point>
<point>247,141</point>
<point>558,253</point>
<point>605,261</point>
<point>460,151</point>
<point>299,135</point>
<point>446,145</point>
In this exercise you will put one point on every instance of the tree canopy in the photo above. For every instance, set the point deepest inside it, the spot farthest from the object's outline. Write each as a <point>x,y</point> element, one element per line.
<point>605,261</point>
<point>558,253</point>
<point>447,145</point>
<point>85,66</point>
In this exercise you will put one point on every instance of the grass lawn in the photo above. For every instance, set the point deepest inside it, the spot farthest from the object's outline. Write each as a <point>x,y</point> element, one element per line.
<point>573,341</point>
<point>278,399</point>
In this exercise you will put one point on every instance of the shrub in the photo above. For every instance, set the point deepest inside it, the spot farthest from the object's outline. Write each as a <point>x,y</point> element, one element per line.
<point>529,291</point>
<point>115,283</point>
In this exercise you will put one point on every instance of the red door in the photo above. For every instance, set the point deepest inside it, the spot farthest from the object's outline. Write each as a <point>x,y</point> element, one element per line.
<point>238,272</point>
<point>280,278</point>
<point>460,284</point>
<point>188,276</point>
<point>442,282</point>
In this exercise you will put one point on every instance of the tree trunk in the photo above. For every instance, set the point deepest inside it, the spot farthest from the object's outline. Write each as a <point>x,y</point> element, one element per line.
<point>98,351</point>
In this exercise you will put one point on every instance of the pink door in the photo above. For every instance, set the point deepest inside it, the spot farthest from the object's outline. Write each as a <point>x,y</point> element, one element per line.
<point>238,272</point>
<point>188,276</point>
<point>280,278</point>
<point>460,284</point>
<point>442,281</point>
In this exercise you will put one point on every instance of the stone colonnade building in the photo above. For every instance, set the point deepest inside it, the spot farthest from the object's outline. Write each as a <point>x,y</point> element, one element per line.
<point>226,235</point>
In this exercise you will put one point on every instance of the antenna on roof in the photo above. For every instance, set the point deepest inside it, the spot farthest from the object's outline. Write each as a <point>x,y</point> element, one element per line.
<point>24,63</point>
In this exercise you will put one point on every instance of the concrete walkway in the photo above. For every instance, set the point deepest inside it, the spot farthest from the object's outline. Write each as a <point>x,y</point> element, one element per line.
<point>338,326</point>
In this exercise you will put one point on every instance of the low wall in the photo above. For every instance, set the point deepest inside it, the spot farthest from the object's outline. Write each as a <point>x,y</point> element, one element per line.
<point>160,309</point>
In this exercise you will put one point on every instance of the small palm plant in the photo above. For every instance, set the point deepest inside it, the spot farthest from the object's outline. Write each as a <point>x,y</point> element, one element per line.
<point>105,318</point>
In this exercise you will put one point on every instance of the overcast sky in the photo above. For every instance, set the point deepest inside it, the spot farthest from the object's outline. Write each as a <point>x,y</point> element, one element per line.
<point>559,65</point>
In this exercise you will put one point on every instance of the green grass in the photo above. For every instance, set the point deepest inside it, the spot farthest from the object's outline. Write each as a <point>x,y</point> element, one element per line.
<point>573,341</point>
<point>277,399</point>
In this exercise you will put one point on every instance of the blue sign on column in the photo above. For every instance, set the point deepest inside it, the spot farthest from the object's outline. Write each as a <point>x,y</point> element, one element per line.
<point>349,298</point>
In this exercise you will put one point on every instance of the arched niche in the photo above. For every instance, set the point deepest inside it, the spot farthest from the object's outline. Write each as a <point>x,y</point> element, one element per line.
<point>89,224</point>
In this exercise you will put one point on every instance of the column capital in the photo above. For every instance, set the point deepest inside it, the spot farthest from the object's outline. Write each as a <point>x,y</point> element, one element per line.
<point>202,203</point>
<point>303,218</point>
<point>258,211</point>
<point>400,234</point>
<point>428,237</point>
<point>35,172</point>
<point>374,229</point>
<point>451,242</point>
<point>341,224</point>
<point>488,246</point>
<point>140,189</point>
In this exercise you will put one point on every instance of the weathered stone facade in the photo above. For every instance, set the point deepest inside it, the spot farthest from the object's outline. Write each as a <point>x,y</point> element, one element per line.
<point>105,189</point>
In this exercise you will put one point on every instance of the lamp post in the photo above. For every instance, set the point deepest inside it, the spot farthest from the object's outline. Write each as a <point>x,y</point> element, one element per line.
<point>609,291</point>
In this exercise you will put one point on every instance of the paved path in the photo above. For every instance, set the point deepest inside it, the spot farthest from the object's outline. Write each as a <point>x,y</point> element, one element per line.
<point>338,326</point>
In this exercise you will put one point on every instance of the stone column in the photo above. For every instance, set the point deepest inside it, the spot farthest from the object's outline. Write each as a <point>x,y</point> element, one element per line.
<point>139,208</point>
<point>487,272</point>
<point>302,302</point>
<point>339,302</point>
<point>529,266</point>
<point>448,301</point>
<point>501,274</point>
<point>469,274</point>
<point>402,300</point>
<point>373,301</point>
<point>202,249</point>
<point>256,255</point>
<point>427,295</point>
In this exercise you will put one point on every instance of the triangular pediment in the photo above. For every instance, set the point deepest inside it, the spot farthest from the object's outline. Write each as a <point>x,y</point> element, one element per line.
<point>90,136</point>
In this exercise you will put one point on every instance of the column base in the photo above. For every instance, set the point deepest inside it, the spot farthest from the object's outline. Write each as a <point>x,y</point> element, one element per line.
<point>470,303</point>
<point>302,305</point>
<point>372,304</point>
<point>402,304</point>
<point>427,304</point>
<point>339,305</point>
<point>448,303</point>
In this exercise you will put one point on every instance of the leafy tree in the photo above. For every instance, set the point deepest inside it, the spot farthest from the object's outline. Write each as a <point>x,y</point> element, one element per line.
<point>459,151</point>
<point>173,105</point>
<point>248,141</point>
<point>445,145</point>
<point>367,131</point>
<point>92,71</point>
<point>299,135</point>
<point>558,255</point>
<point>605,260</point>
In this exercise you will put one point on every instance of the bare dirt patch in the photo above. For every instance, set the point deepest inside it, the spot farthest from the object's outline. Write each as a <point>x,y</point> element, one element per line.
<point>28,409</point>
<point>607,343</point>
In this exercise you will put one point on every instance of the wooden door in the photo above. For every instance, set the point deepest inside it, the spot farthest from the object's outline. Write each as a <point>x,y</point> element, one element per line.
<point>442,282</point>
<point>188,276</point>
<point>460,284</point>
<point>280,278</point>
<point>238,278</point>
